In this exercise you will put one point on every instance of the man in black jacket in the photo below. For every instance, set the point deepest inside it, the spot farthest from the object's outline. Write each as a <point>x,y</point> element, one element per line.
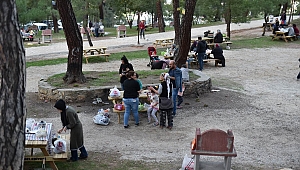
<point>219,37</point>
<point>218,54</point>
<point>201,50</point>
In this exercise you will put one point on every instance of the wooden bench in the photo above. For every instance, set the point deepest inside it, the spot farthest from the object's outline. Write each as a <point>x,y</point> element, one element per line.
<point>46,35</point>
<point>121,31</point>
<point>212,59</point>
<point>291,38</point>
<point>212,45</point>
<point>213,142</point>
<point>106,55</point>
<point>123,111</point>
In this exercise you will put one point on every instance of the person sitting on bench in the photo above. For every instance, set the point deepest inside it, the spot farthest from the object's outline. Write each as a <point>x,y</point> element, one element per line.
<point>218,54</point>
<point>219,37</point>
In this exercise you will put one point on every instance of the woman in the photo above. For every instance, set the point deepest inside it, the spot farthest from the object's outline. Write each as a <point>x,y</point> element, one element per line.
<point>165,100</point>
<point>218,54</point>
<point>124,68</point>
<point>131,98</point>
<point>70,120</point>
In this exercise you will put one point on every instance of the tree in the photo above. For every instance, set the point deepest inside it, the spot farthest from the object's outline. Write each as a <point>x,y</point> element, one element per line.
<point>161,22</point>
<point>12,88</point>
<point>74,41</point>
<point>183,29</point>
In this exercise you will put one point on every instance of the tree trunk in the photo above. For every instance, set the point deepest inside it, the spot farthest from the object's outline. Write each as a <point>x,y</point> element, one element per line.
<point>265,26</point>
<point>161,22</point>
<point>176,21</point>
<point>12,88</point>
<point>74,41</point>
<point>228,18</point>
<point>184,40</point>
<point>55,25</point>
<point>85,24</point>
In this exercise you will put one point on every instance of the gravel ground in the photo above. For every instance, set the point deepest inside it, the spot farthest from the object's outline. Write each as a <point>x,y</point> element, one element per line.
<point>258,100</point>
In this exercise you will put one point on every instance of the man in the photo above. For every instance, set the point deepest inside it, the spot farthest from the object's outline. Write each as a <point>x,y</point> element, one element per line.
<point>201,49</point>
<point>218,54</point>
<point>219,37</point>
<point>176,80</point>
<point>283,18</point>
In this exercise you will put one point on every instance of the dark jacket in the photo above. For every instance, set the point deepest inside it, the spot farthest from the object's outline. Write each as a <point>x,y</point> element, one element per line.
<point>218,53</point>
<point>123,70</point>
<point>131,88</point>
<point>201,47</point>
<point>218,38</point>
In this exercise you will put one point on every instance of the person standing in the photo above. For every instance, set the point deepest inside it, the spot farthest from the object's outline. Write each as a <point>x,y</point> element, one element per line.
<point>153,108</point>
<point>123,70</point>
<point>176,81</point>
<point>131,98</point>
<point>70,120</point>
<point>142,29</point>
<point>201,49</point>
<point>165,101</point>
<point>130,23</point>
<point>218,54</point>
<point>283,18</point>
<point>97,26</point>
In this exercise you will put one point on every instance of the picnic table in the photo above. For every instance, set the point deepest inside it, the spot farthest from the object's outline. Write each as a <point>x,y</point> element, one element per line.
<point>281,35</point>
<point>95,52</point>
<point>164,42</point>
<point>115,100</point>
<point>43,143</point>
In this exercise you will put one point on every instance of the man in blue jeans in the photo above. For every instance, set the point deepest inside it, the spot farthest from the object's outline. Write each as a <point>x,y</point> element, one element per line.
<point>176,80</point>
<point>201,50</point>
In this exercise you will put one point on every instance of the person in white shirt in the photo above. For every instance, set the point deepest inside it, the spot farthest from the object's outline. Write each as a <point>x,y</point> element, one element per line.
<point>153,108</point>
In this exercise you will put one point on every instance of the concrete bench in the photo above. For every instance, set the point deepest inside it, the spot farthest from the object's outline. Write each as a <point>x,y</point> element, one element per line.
<point>213,142</point>
<point>106,55</point>
<point>46,35</point>
<point>121,31</point>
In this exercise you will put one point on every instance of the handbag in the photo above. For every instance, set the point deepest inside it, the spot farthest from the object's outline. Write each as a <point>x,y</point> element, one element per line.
<point>165,103</point>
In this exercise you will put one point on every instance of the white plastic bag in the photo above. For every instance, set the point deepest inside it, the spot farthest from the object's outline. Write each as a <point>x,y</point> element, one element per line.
<point>114,92</point>
<point>100,119</point>
<point>29,123</point>
<point>60,146</point>
<point>187,163</point>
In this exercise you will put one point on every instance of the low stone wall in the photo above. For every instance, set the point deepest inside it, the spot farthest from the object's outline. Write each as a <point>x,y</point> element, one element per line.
<point>47,92</point>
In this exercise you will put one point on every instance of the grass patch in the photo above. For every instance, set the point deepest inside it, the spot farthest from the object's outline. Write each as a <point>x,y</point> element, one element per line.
<point>109,78</point>
<point>114,56</point>
<point>46,62</point>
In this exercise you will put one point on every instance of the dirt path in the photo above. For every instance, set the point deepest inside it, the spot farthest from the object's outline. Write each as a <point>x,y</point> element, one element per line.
<point>259,100</point>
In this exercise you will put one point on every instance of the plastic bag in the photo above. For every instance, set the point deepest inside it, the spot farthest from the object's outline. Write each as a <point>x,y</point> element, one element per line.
<point>41,132</point>
<point>141,107</point>
<point>187,163</point>
<point>119,106</point>
<point>101,119</point>
<point>60,146</point>
<point>114,92</point>
<point>29,123</point>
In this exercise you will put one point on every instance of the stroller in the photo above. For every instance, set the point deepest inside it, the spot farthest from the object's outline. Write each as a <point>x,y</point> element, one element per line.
<point>152,55</point>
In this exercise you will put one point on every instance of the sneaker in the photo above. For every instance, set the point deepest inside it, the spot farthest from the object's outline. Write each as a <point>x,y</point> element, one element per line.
<point>126,126</point>
<point>169,127</point>
<point>137,124</point>
<point>155,124</point>
<point>82,157</point>
<point>179,107</point>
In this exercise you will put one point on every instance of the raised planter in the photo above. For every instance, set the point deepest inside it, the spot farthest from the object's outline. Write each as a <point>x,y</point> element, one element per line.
<point>46,92</point>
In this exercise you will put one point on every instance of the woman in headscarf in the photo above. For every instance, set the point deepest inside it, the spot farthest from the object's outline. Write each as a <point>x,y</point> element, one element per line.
<point>218,54</point>
<point>123,70</point>
<point>70,120</point>
<point>165,100</point>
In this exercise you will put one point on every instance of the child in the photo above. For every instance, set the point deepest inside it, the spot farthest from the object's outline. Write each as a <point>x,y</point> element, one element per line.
<point>154,106</point>
<point>139,81</point>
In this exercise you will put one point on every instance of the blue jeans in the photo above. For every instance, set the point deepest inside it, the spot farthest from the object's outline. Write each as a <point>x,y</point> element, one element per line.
<point>131,104</point>
<point>142,33</point>
<point>200,60</point>
<point>174,97</point>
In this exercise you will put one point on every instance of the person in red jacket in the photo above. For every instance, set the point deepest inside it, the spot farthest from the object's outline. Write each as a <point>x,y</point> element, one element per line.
<point>142,29</point>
